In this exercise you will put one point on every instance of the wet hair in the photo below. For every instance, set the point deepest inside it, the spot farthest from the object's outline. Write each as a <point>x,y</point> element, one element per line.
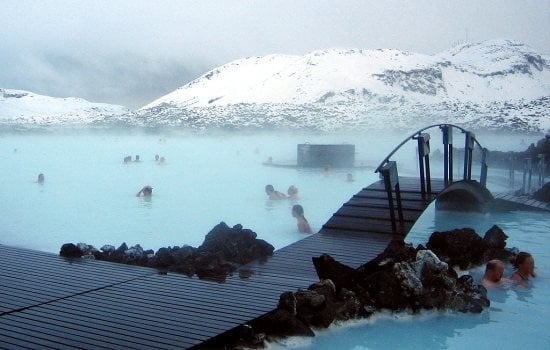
<point>292,190</point>
<point>298,209</point>
<point>520,258</point>
<point>147,189</point>
<point>491,265</point>
<point>269,188</point>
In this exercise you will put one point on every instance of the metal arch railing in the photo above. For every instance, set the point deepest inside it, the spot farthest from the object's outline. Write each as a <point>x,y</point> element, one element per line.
<point>412,137</point>
<point>388,168</point>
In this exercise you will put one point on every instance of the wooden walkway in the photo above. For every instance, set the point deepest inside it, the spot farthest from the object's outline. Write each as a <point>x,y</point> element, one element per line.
<point>522,202</point>
<point>49,302</point>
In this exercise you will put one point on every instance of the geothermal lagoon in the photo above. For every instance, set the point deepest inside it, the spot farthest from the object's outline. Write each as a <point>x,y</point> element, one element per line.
<point>89,195</point>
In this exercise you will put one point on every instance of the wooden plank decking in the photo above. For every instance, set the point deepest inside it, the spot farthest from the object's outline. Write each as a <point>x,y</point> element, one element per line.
<point>523,202</point>
<point>50,302</point>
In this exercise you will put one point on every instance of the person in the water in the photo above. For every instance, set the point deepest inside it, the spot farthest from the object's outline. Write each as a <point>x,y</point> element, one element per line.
<point>292,192</point>
<point>40,179</point>
<point>303,224</point>
<point>272,194</point>
<point>525,268</point>
<point>494,272</point>
<point>147,191</point>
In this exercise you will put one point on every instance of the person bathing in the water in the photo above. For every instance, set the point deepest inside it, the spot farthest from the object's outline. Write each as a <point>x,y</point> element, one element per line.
<point>525,269</point>
<point>298,213</point>
<point>272,194</point>
<point>147,191</point>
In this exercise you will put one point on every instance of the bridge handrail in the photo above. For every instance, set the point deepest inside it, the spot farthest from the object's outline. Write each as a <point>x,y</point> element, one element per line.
<point>411,137</point>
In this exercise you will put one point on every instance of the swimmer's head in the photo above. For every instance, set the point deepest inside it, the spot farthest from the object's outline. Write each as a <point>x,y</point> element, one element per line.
<point>297,210</point>
<point>269,189</point>
<point>147,190</point>
<point>522,258</point>
<point>292,190</point>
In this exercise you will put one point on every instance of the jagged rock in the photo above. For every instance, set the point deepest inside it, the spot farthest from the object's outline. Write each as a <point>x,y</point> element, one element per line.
<point>235,244</point>
<point>407,275</point>
<point>327,268</point>
<point>86,248</point>
<point>282,323</point>
<point>350,307</point>
<point>495,238</point>
<point>396,251</point>
<point>461,247</point>
<point>399,282</point>
<point>107,249</point>
<point>69,250</point>
<point>223,251</point>
<point>163,258</point>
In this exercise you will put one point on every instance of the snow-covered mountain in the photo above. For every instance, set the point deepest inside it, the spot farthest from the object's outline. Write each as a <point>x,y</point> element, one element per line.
<point>496,84</point>
<point>24,107</point>
<point>493,84</point>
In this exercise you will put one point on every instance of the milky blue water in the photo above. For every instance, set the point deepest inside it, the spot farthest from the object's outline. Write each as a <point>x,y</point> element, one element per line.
<point>89,193</point>
<point>89,196</point>
<point>516,319</point>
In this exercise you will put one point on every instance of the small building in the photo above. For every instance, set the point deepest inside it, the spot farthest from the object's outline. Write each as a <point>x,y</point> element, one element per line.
<point>334,156</point>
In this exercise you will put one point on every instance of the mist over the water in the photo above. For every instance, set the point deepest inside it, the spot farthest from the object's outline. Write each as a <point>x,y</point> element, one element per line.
<point>89,193</point>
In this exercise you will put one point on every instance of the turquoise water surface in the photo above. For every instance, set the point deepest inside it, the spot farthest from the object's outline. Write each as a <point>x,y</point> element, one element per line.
<point>89,196</point>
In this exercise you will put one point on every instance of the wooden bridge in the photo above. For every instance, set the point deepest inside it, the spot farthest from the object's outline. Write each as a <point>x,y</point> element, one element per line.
<point>48,302</point>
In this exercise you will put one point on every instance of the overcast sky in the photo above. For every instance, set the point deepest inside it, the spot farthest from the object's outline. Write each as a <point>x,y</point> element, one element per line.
<point>130,52</point>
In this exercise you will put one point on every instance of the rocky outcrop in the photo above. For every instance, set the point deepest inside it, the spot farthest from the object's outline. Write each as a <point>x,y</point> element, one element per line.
<point>318,306</point>
<point>465,248</point>
<point>401,278</point>
<point>224,249</point>
<point>70,250</point>
<point>404,281</point>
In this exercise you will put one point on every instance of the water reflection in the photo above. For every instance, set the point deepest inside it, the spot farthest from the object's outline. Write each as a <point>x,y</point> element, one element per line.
<point>146,202</point>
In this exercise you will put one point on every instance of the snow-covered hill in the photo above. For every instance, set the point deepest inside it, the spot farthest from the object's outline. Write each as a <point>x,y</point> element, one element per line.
<point>496,84</point>
<point>493,84</point>
<point>24,107</point>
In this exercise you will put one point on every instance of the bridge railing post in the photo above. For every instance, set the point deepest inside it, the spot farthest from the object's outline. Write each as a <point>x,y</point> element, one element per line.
<point>423,140</point>
<point>483,175</point>
<point>512,172</point>
<point>469,144</point>
<point>527,172</point>
<point>447,131</point>
<point>542,169</point>
<point>391,183</point>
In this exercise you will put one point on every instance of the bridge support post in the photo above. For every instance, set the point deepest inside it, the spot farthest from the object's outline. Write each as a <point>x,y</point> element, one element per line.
<point>469,144</point>
<point>447,131</point>
<point>391,183</point>
<point>424,163</point>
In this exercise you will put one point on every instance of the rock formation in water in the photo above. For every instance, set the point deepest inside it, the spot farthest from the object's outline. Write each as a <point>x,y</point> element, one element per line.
<point>224,249</point>
<point>401,278</point>
<point>465,248</point>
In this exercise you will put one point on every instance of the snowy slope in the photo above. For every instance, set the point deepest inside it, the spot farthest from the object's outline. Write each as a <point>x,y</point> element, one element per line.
<point>17,106</point>
<point>495,70</point>
<point>496,84</point>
